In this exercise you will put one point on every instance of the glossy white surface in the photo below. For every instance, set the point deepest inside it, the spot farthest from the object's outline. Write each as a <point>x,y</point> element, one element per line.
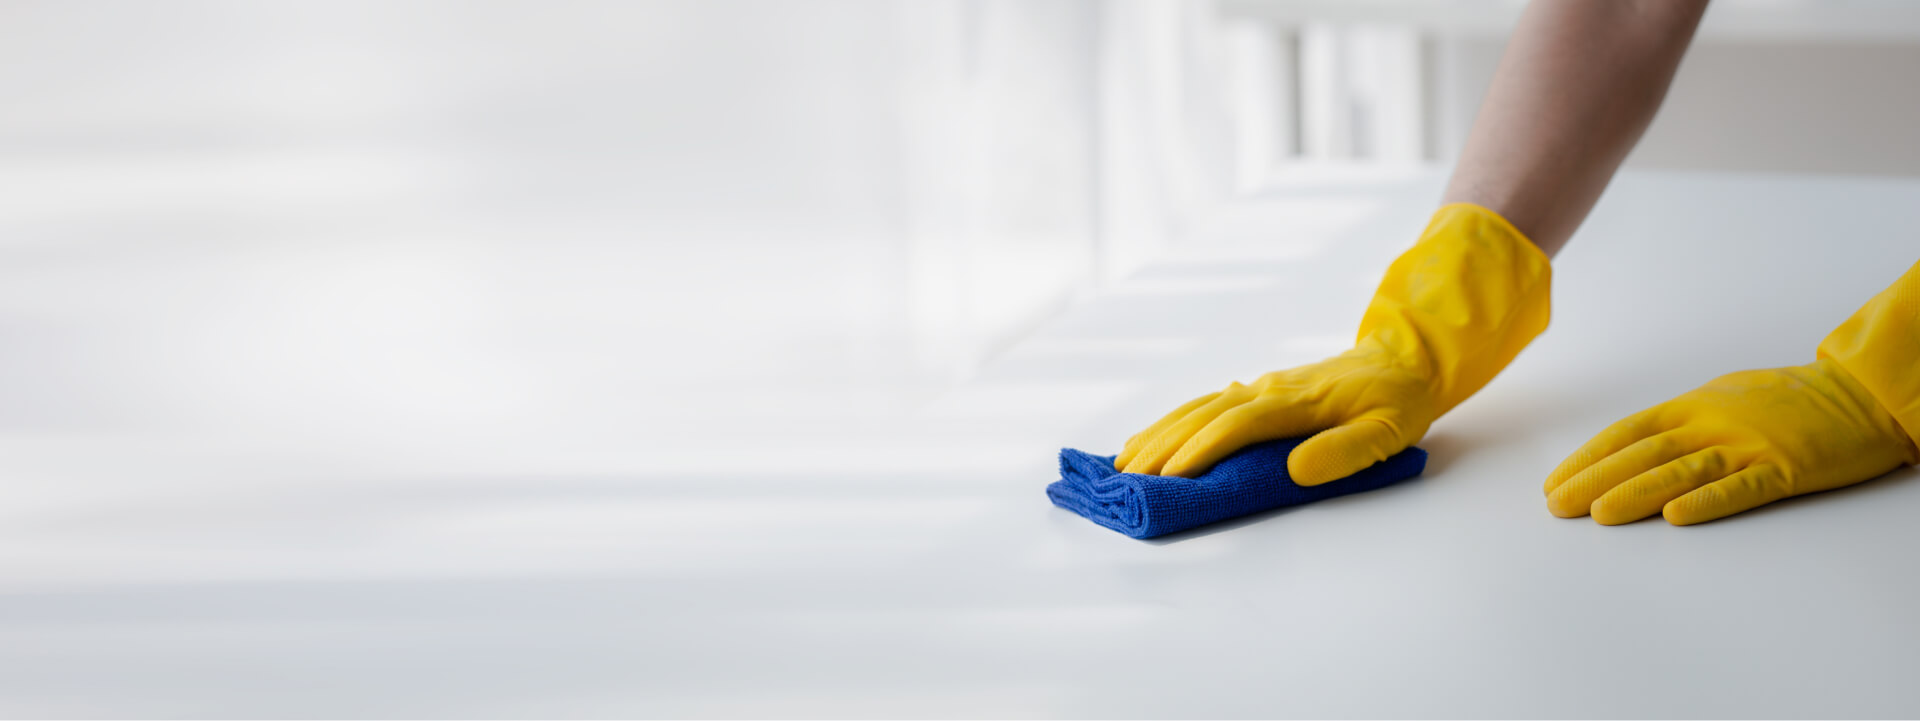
<point>287,551</point>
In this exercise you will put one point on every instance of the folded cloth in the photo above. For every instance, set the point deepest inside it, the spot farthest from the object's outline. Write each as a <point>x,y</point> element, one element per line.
<point>1251,480</point>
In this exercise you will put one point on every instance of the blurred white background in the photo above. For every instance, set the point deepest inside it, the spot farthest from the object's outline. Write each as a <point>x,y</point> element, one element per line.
<point>500,217</point>
<point>338,290</point>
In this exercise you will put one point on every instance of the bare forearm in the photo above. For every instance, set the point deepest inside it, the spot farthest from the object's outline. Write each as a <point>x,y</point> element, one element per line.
<point>1578,84</point>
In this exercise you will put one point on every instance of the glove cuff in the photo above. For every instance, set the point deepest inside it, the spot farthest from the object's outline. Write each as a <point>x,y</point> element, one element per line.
<point>1463,302</point>
<point>1880,348</point>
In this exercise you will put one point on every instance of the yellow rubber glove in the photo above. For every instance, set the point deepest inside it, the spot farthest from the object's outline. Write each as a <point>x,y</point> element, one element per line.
<point>1751,438</point>
<point>1452,312</point>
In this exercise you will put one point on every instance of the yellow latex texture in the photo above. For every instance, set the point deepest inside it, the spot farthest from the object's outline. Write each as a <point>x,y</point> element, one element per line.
<point>1449,315</point>
<point>1751,438</point>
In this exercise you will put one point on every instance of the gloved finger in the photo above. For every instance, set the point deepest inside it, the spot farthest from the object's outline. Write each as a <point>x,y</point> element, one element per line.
<point>1343,450</point>
<point>1140,439</point>
<point>1624,432</point>
<point>1645,494</point>
<point>1267,417</point>
<point>1573,498</point>
<point>1745,490</point>
<point>1154,454</point>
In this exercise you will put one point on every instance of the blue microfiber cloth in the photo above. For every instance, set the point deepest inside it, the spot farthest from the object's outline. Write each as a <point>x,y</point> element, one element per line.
<point>1251,480</point>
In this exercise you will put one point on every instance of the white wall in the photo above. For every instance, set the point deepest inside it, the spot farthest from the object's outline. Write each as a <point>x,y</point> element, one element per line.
<point>1791,107</point>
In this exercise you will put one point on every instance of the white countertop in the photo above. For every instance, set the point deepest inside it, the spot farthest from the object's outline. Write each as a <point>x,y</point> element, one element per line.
<point>909,564</point>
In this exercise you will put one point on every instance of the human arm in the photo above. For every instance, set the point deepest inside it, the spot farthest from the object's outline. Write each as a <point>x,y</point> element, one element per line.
<point>1579,82</point>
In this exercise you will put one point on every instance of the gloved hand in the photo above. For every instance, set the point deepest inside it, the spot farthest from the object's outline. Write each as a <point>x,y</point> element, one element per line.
<point>1751,438</point>
<point>1451,312</point>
